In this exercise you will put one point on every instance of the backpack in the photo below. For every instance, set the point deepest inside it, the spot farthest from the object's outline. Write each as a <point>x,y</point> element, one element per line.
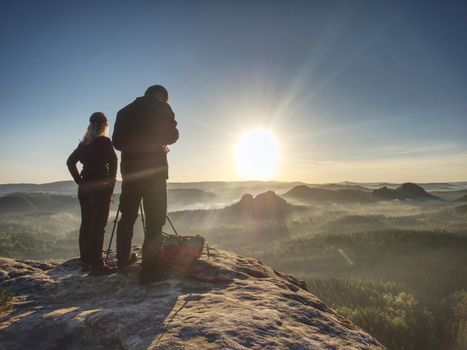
<point>181,251</point>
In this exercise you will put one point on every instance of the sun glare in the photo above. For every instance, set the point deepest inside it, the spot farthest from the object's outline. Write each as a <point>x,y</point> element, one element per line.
<point>257,154</point>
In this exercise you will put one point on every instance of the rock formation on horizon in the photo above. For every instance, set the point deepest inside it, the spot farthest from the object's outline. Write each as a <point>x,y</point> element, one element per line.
<point>262,217</point>
<point>265,206</point>
<point>313,194</point>
<point>225,301</point>
<point>265,215</point>
<point>406,191</point>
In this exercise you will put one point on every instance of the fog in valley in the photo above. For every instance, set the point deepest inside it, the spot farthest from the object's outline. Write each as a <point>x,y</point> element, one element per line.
<point>390,257</point>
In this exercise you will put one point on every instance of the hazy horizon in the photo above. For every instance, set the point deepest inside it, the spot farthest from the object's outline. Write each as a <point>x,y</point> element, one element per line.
<point>260,181</point>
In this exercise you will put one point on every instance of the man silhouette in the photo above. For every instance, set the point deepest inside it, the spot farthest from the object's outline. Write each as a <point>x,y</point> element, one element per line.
<point>142,131</point>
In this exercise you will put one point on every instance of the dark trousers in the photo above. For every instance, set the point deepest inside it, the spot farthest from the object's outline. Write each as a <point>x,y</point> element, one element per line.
<point>153,192</point>
<point>95,205</point>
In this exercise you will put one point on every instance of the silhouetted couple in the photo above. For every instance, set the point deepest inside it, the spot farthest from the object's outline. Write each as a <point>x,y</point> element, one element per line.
<point>143,130</point>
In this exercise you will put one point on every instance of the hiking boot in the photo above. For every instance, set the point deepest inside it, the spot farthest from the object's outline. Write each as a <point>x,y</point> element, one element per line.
<point>102,270</point>
<point>147,277</point>
<point>133,258</point>
<point>124,267</point>
<point>84,267</point>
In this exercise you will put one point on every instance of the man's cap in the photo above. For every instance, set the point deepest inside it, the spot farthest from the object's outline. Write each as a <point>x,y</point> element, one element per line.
<point>98,118</point>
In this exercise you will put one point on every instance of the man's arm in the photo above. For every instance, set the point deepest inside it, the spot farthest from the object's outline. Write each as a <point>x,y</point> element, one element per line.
<point>169,132</point>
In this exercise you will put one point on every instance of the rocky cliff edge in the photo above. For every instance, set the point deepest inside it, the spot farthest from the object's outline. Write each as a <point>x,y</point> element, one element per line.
<point>225,301</point>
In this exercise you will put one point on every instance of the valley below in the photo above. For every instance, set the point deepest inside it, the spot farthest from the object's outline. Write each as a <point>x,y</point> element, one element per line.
<point>392,258</point>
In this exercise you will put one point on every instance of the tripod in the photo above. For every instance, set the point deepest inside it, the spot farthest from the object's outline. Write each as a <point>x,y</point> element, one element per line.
<point>143,221</point>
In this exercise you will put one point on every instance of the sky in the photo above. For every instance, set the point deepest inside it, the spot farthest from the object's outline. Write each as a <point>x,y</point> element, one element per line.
<point>353,90</point>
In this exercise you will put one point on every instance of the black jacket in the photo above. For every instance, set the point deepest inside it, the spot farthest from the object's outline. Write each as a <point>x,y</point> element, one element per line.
<point>141,132</point>
<point>99,162</point>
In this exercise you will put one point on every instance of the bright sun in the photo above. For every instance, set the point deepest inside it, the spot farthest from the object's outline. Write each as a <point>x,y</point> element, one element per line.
<point>257,154</point>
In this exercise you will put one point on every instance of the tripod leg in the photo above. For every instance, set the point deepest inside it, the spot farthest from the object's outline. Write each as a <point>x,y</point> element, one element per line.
<point>143,219</point>
<point>112,235</point>
<point>172,225</point>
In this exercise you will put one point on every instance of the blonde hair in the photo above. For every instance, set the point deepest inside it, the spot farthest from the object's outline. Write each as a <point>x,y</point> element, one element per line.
<point>95,130</point>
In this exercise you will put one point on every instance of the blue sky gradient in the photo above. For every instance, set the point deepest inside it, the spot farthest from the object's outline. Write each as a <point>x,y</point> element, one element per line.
<point>354,90</point>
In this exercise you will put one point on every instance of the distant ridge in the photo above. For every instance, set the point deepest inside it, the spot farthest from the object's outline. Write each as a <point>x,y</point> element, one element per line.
<point>189,195</point>
<point>450,195</point>
<point>305,193</point>
<point>58,186</point>
<point>22,203</point>
<point>342,186</point>
<point>236,188</point>
<point>406,191</point>
<point>69,187</point>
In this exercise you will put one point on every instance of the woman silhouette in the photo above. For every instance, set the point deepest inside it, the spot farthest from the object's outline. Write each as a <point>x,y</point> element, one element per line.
<point>96,184</point>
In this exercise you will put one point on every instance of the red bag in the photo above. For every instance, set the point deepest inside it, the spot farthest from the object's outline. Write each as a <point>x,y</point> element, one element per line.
<point>181,251</point>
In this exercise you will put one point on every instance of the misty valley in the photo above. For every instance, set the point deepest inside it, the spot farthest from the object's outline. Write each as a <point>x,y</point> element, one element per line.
<point>390,257</point>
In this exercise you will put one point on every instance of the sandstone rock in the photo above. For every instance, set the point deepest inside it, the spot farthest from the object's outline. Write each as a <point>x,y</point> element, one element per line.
<point>224,302</point>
